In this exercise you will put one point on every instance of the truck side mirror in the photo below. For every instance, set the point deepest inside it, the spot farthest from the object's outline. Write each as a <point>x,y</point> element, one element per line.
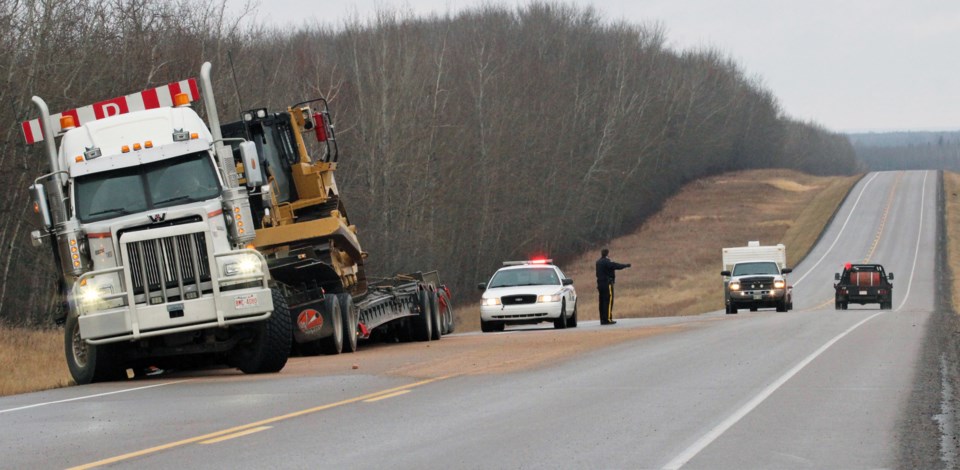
<point>725,273</point>
<point>787,270</point>
<point>482,286</point>
<point>836,276</point>
<point>567,282</point>
<point>890,276</point>
<point>251,164</point>
<point>40,199</point>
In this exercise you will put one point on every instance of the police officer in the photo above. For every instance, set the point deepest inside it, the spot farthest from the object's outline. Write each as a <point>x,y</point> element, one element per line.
<point>606,275</point>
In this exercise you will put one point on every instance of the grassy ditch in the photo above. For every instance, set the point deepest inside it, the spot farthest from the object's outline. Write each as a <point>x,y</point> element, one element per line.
<point>31,360</point>
<point>951,192</point>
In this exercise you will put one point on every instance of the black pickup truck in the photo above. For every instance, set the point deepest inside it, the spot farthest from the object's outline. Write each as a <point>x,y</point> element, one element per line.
<point>863,284</point>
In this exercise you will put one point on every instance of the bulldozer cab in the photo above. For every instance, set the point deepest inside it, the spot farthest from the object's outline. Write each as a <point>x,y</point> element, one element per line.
<point>298,168</point>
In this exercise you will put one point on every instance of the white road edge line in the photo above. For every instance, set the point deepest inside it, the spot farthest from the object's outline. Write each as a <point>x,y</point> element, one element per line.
<point>91,396</point>
<point>835,240</point>
<point>708,438</point>
<point>916,251</point>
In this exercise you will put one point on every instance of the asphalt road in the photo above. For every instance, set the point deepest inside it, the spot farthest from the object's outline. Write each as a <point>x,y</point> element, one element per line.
<point>810,388</point>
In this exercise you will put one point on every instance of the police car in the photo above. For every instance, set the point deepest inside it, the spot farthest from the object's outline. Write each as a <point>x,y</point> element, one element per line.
<point>525,292</point>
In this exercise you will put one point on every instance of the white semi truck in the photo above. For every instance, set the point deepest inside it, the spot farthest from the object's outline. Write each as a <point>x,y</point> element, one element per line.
<point>151,228</point>
<point>754,276</point>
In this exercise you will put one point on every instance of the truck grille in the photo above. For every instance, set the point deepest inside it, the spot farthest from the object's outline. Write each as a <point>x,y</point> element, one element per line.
<point>164,266</point>
<point>518,299</point>
<point>755,283</point>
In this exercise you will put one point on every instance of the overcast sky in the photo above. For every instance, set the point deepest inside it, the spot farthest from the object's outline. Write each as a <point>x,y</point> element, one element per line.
<point>849,65</point>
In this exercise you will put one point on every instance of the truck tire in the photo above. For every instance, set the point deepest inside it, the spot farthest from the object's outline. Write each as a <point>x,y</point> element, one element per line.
<point>437,326</point>
<point>270,347</point>
<point>333,344</point>
<point>447,315</point>
<point>422,324</point>
<point>561,321</point>
<point>731,310</point>
<point>572,321</point>
<point>351,319</point>
<point>89,363</point>
<point>836,305</point>
<point>782,305</point>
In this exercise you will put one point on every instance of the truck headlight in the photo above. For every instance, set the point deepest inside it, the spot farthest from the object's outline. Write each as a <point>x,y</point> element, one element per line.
<point>779,284</point>
<point>734,286</point>
<point>241,265</point>
<point>491,301</point>
<point>548,298</point>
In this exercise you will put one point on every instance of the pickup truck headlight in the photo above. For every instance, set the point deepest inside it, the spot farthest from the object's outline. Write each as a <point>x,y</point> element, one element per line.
<point>734,285</point>
<point>241,265</point>
<point>491,301</point>
<point>548,298</point>
<point>779,284</point>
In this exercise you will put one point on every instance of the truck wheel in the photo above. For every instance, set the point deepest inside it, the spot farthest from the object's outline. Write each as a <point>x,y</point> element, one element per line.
<point>561,321</point>
<point>89,363</point>
<point>422,324</point>
<point>351,319</point>
<point>836,305</point>
<point>447,315</point>
<point>731,310</point>
<point>782,305</point>
<point>270,347</point>
<point>572,321</point>
<point>333,344</point>
<point>843,305</point>
<point>437,326</point>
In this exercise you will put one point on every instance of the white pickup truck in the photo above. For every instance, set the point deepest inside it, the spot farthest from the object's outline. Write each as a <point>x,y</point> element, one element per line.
<point>754,276</point>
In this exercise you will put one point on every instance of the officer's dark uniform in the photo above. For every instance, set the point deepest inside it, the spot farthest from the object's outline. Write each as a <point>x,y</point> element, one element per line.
<point>606,275</point>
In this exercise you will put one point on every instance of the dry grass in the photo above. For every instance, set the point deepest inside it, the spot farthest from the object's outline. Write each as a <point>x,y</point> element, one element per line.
<point>676,254</point>
<point>31,360</point>
<point>951,191</point>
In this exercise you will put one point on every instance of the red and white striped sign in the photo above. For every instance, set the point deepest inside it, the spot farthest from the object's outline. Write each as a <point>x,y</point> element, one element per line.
<point>148,99</point>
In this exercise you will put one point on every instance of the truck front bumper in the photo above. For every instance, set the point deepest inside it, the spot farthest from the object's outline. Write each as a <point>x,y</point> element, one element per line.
<point>757,298</point>
<point>143,321</point>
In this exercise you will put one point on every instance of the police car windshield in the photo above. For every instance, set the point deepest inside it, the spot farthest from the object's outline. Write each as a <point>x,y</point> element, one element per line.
<point>166,183</point>
<point>746,269</point>
<point>542,276</point>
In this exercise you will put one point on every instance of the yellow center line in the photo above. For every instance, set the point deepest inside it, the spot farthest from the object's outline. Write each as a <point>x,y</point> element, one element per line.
<point>239,434</point>
<point>389,395</point>
<point>876,238</point>
<point>244,427</point>
<point>883,218</point>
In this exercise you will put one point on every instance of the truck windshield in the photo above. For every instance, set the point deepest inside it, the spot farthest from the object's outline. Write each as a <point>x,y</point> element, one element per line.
<point>525,277</point>
<point>746,269</point>
<point>166,183</point>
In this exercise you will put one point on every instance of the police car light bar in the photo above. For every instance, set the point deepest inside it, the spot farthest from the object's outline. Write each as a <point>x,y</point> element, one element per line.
<point>529,261</point>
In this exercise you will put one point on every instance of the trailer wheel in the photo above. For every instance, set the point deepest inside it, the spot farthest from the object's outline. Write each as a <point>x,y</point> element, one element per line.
<point>572,321</point>
<point>437,320</point>
<point>447,314</point>
<point>422,323</point>
<point>333,344</point>
<point>270,347</point>
<point>351,319</point>
<point>89,363</point>
<point>561,321</point>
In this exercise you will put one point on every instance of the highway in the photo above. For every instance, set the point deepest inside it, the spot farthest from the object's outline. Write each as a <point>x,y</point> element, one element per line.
<point>810,388</point>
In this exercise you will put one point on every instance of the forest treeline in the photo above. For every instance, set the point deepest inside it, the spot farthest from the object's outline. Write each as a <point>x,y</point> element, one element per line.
<point>908,150</point>
<point>466,139</point>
